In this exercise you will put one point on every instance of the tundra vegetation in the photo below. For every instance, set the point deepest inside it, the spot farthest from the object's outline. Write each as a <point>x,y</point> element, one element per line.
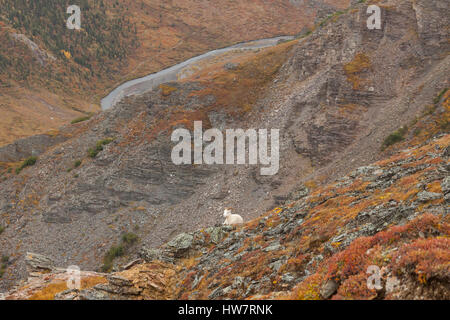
<point>93,152</point>
<point>320,239</point>
<point>31,161</point>
<point>127,240</point>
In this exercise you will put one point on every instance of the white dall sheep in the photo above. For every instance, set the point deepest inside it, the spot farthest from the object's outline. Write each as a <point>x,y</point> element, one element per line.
<point>232,219</point>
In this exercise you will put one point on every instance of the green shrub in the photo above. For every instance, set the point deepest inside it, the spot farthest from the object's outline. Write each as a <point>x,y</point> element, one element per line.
<point>395,137</point>
<point>129,238</point>
<point>93,152</point>
<point>76,164</point>
<point>2,228</point>
<point>26,163</point>
<point>104,142</point>
<point>114,252</point>
<point>438,98</point>
<point>80,119</point>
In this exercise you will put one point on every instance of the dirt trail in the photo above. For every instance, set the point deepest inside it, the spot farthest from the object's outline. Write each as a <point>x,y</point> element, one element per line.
<point>144,84</point>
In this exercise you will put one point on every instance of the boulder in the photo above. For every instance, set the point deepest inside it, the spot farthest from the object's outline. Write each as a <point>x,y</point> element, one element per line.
<point>425,196</point>
<point>216,233</point>
<point>151,254</point>
<point>181,242</point>
<point>328,289</point>
<point>38,263</point>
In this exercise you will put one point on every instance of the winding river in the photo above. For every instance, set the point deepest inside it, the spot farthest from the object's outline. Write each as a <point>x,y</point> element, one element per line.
<point>144,84</point>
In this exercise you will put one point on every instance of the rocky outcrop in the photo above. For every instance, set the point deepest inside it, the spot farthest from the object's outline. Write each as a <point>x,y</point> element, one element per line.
<point>185,245</point>
<point>27,147</point>
<point>38,263</point>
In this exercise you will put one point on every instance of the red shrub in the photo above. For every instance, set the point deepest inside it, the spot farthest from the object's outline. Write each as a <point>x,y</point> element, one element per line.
<point>425,257</point>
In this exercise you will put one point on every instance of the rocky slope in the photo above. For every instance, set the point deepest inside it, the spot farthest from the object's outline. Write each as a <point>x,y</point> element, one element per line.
<point>335,94</point>
<point>392,214</point>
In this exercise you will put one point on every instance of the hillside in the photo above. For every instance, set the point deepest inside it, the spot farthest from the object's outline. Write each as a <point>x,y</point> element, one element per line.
<point>363,180</point>
<point>392,214</point>
<point>50,75</point>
